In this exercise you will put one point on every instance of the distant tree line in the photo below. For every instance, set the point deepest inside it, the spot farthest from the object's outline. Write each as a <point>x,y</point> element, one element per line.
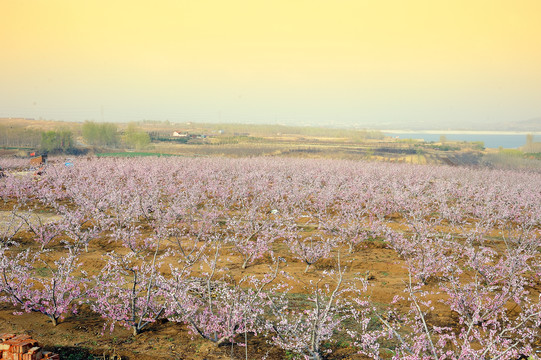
<point>57,141</point>
<point>136,138</point>
<point>45,141</point>
<point>19,137</point>
<point>105,134</point>
<point>63,140</point>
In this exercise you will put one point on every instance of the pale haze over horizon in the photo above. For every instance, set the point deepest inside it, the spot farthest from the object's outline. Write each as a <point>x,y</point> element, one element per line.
<point>394,64</point>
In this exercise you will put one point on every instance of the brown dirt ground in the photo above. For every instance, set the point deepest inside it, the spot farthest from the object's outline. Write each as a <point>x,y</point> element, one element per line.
<point>83,333</point>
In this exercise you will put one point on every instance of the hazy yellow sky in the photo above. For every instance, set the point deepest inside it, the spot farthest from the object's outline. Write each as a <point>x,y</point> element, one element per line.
<point>323,62</point>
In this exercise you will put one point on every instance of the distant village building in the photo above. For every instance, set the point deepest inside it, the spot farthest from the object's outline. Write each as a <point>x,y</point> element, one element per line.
<point>180,134</point>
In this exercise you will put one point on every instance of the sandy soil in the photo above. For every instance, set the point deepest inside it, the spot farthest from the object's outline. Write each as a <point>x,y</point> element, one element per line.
<point>84,334</point>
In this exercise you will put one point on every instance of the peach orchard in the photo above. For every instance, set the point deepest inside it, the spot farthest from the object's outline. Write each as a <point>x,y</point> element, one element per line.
<point>178,239</point>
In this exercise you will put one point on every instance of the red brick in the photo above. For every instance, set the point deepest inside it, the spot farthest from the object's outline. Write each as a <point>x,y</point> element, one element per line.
<point>34,349</point>
<point>21,337</point>
<point>47,354</point>
<point>10,342</point>
<point>16,347</point>
<point>33,354</point>
<point>23,346</point>
<point>14,356</point>
<point>4,337</point>
<point>15,340</point>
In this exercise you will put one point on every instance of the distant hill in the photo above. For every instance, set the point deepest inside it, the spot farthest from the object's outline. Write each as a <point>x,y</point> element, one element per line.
<point>524,125</point>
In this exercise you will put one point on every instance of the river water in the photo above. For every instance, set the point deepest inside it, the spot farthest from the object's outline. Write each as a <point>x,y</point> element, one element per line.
<point>507,141</point>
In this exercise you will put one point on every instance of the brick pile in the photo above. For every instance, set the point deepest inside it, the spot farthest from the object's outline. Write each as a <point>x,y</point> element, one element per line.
<point>22,347</point>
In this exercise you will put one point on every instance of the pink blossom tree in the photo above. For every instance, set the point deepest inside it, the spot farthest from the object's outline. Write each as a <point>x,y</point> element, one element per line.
<point>37,283</point>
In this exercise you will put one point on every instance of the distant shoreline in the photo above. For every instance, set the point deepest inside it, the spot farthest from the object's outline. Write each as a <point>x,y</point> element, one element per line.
<point>461,132</point>
<point>490,139</point>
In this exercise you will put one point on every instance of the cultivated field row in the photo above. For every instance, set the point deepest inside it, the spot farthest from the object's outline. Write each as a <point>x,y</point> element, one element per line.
<point>307,258</point>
